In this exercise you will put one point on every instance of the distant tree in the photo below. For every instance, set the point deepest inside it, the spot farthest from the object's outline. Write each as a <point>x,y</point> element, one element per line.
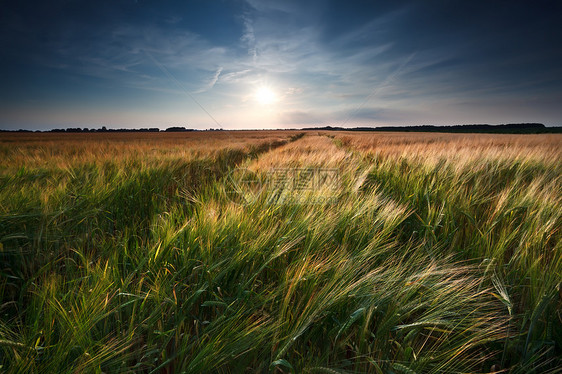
<point>176,129</point>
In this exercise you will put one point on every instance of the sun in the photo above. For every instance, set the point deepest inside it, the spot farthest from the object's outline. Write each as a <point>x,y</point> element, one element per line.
<point>265,96</point>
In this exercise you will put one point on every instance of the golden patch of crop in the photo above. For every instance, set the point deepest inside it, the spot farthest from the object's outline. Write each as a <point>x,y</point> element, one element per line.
<point>55,150</point>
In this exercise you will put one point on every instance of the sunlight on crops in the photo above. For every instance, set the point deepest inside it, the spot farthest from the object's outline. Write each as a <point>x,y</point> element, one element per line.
<point>127,253</point>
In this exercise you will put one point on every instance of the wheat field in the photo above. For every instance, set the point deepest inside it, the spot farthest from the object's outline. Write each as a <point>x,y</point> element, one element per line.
<point>145,253</point>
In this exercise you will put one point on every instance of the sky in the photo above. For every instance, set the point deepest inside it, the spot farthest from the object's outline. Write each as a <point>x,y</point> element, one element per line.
<point>251,64</point>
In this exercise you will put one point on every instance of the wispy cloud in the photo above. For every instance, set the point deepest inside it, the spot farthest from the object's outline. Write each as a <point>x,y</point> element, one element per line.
<point>329,62</point>
<point>249,38</point>
<point>211,82</point>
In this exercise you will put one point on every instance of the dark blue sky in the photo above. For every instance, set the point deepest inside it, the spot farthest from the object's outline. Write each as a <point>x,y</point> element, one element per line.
<point>207,63</point>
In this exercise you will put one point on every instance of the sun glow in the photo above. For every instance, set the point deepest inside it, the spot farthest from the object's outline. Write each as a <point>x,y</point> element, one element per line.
<point>265,96</point>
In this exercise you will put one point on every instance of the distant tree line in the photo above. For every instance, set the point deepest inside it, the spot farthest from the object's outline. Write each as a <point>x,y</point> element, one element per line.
<point>105,129</point>
<point>510,128</point>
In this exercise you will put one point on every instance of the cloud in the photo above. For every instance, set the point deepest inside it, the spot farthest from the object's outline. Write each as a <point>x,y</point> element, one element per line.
<point>293,91</point>
<point>329,61</point>
<point>236,76</point>
<point>212,81</point>
<point>249,38</point>
<point>173,19</point>
<point>351,117</point>
<point>377,115</point>
<point>301,118</point>
<point>215,77</point>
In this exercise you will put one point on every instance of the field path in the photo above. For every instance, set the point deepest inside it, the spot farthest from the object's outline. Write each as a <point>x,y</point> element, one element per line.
<point>315,163</point>
<point>309,151</point>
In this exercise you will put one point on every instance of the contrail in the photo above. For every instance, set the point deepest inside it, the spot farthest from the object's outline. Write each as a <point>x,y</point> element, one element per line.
<point>179,84</point>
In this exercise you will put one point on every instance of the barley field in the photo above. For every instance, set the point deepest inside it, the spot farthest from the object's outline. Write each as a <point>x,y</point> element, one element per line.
<point>280,252</point>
